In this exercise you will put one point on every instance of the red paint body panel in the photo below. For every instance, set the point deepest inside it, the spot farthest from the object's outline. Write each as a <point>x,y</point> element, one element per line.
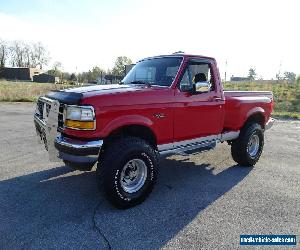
<point>240,105</point>
<point>136,106</point>
<point>186,116</point>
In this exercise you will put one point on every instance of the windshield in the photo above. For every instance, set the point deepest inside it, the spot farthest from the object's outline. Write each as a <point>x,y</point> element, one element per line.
<point>156,71</point>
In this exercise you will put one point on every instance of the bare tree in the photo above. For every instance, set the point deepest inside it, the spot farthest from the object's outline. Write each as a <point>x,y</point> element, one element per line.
<point>3,53</point>
<point>17,54</point>
<point>40,55</point>
<point>21,54</point>
<point>27,55</point>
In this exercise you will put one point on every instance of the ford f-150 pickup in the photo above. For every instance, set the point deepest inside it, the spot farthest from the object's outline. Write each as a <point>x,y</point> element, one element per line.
<point>172,104</point>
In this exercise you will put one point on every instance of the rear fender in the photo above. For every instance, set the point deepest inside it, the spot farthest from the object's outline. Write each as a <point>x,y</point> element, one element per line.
<point>256,111</point>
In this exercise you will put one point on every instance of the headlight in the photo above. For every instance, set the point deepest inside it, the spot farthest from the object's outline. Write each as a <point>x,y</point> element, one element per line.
<point>80,117</point>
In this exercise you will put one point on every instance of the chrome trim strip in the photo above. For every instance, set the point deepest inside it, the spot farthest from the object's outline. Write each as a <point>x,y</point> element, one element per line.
<point>270,123</point>
<point>47,100</point>
<point>78,144</point>
<point>39,121</point>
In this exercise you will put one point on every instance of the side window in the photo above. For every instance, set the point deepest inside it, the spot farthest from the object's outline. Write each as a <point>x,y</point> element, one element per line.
<point>185,81</point>
<point>198,72</point>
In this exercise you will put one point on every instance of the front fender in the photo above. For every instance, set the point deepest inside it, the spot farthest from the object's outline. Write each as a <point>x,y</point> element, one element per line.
<point>126,120</point>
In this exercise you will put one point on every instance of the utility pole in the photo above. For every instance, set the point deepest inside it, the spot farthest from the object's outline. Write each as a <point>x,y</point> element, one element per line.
<point>225,70</point>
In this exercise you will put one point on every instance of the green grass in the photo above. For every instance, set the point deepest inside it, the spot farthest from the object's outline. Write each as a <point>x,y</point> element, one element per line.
<point>286,96</point>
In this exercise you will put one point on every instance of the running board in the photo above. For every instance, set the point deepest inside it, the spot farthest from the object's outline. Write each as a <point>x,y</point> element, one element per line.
<point>191,149</point>
<point>195,149</point>
<point>196,145</point>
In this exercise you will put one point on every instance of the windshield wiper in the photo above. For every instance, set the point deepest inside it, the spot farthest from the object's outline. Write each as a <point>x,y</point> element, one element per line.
<point>141,82</point>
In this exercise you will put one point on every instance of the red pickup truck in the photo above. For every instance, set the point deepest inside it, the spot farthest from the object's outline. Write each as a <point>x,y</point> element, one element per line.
<point>172,104</point>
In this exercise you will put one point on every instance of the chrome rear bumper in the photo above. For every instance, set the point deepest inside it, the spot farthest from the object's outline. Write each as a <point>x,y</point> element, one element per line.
<point>269,123</point>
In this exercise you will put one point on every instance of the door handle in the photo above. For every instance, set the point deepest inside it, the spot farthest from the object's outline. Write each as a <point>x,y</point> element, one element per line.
<point>216,98</point>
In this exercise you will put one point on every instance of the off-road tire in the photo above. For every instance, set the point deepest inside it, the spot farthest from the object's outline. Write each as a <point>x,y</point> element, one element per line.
<point>239,147</point>
<point>111,163</point>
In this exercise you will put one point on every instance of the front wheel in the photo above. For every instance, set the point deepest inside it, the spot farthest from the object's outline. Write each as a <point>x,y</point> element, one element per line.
<point>128,168</point>
<point>247,149</point>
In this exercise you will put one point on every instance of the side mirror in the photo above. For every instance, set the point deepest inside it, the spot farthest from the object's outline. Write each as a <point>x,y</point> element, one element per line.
<point>202,86</point>
<point>187,88</point>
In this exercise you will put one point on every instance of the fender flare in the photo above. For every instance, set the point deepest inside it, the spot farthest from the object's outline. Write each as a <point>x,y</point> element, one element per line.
<point>126,120</point>
<point>255,111</point>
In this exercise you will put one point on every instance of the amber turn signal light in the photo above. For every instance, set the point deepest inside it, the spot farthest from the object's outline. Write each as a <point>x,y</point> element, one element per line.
<point>88,125</point>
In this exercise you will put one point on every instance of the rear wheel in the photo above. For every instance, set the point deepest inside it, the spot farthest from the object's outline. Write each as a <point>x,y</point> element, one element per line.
<point>247,149</point>
<point>128,170</point>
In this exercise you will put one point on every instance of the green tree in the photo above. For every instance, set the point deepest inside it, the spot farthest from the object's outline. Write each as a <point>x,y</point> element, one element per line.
<point>119,67</point>
<point>92,75</point>
<point>252,74</point>
<point>73,77</point>
<point>56,69</point>
<point>290,76</point>
<point>279,76</point>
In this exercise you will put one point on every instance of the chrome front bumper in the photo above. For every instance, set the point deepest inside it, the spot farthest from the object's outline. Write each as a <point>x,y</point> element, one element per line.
<point>269,123</point>
<point>77,152</point>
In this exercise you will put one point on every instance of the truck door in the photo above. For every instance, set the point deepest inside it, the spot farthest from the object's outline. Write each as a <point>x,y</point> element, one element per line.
<point>200,112</point>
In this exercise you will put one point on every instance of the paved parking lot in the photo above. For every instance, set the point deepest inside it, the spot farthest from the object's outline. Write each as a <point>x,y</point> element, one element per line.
<point>203,201</point>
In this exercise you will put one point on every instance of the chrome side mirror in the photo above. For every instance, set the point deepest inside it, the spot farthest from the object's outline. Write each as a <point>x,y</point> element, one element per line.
<point>187,88</point>
<point>202,86</point>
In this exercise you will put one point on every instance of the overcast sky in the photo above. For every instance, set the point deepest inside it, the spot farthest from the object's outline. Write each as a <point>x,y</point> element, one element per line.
<point>81,34</point>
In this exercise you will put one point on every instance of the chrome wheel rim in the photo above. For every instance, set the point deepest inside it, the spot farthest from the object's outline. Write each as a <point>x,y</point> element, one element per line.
<point>133,175</point>
<point>253,145</point>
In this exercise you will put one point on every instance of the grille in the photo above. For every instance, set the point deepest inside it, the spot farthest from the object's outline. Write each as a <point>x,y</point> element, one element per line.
<point>48,107</point>
<point>42,111</point>
<point>60,124</point>
<point>40,108</point>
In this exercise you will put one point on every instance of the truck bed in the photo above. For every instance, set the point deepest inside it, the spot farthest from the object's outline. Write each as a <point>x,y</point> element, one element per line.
<point>239,105</point>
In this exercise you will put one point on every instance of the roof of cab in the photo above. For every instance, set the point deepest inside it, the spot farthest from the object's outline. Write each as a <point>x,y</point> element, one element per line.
<point>180,54</point>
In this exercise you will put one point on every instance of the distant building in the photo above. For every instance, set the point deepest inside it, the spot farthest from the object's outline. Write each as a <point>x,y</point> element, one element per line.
<point>239,79</point>
<point>24,74</point>
<point>128,68</point>
<point>43,77</point>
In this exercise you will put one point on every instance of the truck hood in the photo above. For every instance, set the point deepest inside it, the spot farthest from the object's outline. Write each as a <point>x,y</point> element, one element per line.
<point>106,88</point>
<point>73,96</point>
